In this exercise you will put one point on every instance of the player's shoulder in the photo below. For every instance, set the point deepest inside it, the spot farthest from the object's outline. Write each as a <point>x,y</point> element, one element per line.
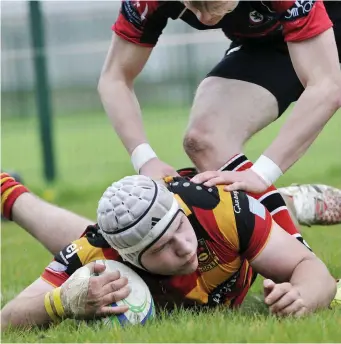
<point>136,11</point>
<point>193,194</point>
<point>302,19</point>
<point>294,9</point>
<point>79,252</point>
<point>142,22</point>
<point>139,12</point>
<point>94,237</point>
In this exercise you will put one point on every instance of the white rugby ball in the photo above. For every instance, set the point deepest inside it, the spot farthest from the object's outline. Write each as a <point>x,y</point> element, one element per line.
<point>140,301</point>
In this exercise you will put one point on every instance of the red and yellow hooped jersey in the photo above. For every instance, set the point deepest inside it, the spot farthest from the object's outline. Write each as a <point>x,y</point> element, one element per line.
<point>232,229</point>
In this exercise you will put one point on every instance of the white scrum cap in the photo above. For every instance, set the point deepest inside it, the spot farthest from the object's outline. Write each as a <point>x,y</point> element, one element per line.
<point>133,213</point>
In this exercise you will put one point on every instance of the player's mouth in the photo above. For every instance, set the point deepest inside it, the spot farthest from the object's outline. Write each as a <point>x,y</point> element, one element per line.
<point>191,260</point>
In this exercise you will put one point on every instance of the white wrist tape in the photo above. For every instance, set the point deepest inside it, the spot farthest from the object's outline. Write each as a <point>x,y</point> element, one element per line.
<point>267,170</point>
<point>74,292</point>
<point>141,154</point>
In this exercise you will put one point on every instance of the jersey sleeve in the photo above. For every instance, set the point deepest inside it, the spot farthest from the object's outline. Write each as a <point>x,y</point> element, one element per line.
<point>141,22</point>
<point>244,223</point>
<point>254,228</point>
<point>302,19</point>
<point>237,222</point>
<point>80,252</point>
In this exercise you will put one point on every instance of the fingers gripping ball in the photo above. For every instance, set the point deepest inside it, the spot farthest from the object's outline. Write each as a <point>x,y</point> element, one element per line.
<point>139,301</point>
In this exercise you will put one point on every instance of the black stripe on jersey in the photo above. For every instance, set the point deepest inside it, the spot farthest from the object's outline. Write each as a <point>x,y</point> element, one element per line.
<point>69,257</point>
<point>95,238</point>
<point>231,166</point>
<point>199,230</point>
<point>220,293</point>
<point>245,220</point>
<point>302,241</point>
<point>195,195</point>
<point>157,21</point>
<point>191,197</point>
<point>273,202</point>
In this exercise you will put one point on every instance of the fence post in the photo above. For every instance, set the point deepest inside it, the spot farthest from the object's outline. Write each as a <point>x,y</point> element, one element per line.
<point>42,89</point>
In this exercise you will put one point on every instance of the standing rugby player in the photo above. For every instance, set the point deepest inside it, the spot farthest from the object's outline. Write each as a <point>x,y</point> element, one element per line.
<point>281,51</point>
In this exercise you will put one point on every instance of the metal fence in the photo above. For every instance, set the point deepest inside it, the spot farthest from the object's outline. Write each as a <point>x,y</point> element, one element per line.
<point>77,36</point>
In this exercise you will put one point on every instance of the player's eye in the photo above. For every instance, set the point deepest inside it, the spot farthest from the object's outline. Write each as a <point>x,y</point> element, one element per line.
<point>160,248</point>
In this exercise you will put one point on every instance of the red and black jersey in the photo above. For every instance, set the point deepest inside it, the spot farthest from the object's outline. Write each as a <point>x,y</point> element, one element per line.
<point>142,22</point>
<point>231,228</point>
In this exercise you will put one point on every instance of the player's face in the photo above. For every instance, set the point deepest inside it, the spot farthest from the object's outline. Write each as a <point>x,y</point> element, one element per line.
<point>175,253</point>
<point>211,12</point>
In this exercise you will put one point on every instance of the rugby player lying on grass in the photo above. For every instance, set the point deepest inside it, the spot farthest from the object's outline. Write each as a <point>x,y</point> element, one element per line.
<point>193,245</point>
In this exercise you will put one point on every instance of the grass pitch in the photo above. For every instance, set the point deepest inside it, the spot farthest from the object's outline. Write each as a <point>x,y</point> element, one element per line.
<point>88,158</point>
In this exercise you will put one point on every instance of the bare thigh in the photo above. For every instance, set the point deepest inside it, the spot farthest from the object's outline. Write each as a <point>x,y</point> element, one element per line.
<point>224,115</point>
<point>248,89</point>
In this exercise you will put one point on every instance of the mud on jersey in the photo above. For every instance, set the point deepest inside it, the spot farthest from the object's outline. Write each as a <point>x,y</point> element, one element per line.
<point>231,228</point>
<point>142,22</point>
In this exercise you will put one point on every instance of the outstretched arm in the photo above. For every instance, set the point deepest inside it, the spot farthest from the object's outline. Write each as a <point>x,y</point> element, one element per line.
<point>124,62</point>
<point>27,309</point>
<point>81,296</point>
<point>131,46</point>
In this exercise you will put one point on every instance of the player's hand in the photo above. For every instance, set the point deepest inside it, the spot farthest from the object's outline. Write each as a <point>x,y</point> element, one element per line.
<point>245,180</point>
<point>283,299</point>
<point>157,169</point>
<point>86,296</point>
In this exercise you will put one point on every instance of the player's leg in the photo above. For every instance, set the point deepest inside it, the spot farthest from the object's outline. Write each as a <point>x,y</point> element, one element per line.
<point>54,227</point>
<point>292,211</point>
<point>244,93</point>
<point>221,120</point>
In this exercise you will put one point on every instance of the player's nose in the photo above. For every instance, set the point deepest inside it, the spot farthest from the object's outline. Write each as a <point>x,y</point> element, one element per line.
<point>183,247</point>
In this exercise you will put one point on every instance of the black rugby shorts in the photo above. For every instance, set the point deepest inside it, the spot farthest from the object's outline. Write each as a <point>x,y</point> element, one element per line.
<point>266,66</point>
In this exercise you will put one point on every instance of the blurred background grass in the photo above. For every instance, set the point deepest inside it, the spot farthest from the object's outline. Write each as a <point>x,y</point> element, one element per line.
<point>89,158</point>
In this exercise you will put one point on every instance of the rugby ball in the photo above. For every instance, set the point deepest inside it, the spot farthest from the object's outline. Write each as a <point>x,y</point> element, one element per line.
<point>140,301</point>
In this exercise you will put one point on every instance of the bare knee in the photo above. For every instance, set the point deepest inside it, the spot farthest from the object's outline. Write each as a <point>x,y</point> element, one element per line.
<point>195,143</point>
<point>207,149</point>
<point>207,142</point>
<point>204,133</point>
<point>220,123</point>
